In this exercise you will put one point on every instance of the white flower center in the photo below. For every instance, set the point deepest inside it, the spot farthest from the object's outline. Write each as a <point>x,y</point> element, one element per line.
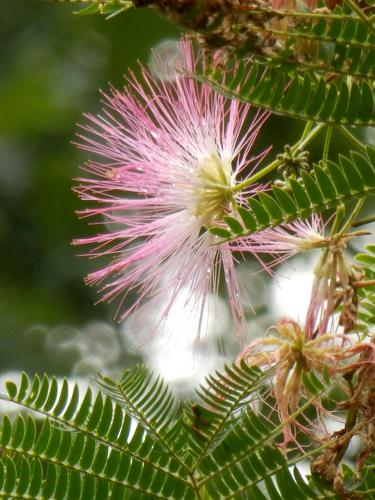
<point>311,241</point>
<point>213,191</point>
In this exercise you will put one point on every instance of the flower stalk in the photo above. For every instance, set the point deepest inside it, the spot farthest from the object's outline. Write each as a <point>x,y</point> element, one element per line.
<point>276,163</point>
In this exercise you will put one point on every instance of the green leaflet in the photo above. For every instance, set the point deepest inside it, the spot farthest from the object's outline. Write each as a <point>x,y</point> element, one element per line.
<point>245,455</point>
<point>97,439</point>
<point>304,87</point>
<point>340,43</point>
<point>324,187</point>
<point>227,448</point>
<point>366,312</point>
<point>302,95</point>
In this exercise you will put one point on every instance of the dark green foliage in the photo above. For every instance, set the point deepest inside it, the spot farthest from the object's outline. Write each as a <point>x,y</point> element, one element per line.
<point>351,41</point>
<point>234,225</point>
<point>130,439</point>
<point>301,95</point>
<point>93,438</point>
<point>130,443</point>
<point>323,71</point>
<point>326,186</point>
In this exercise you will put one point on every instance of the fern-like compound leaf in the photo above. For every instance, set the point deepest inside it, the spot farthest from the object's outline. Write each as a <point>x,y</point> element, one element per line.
<point>229,450</point>
<point>244,457</point>
<point>90,436</point>
<point>329,43</point>
<point>150,402</point>
<point>302,95</point>
<point>323,188</point>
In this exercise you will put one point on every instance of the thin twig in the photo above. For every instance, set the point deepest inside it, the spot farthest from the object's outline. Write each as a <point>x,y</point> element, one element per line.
<point>362,222</point>
<point>355,212</point>
<point>305,139</point>
<point>352,138</point>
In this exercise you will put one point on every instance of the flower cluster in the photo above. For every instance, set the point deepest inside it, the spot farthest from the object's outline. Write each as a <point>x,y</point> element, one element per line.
<point>323,343</point>
<point>176,158</point>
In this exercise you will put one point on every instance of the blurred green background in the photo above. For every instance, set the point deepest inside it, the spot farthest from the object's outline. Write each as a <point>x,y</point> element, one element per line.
<point>52,65</point>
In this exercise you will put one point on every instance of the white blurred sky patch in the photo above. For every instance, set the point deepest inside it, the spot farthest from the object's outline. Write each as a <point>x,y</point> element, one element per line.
<point>163,59</point>
<point>174,355</point>
<point>291,289</point>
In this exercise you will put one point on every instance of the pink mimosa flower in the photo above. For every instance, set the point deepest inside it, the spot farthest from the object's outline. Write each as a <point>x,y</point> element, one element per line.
<point>285,241</point>
<point>291,353</point>
<point>333,273</point>
<point>172,153</point>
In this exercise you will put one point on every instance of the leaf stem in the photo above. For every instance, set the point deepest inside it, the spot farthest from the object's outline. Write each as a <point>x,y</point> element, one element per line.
<point>306,137</point>
<point>340,212</point>
<point>306,130</point>
<point>327,143</point>
<point>352,138</point>
<point>362,222</point>
<point>303,14</point>
<point>355,212</point>
<point>363,284</point>
<point>307,36</point>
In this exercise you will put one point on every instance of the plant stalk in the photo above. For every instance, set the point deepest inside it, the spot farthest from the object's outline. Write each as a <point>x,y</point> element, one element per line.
<point>305,139</point>
<point>362,222</point>
<point>355,212</point>
<point>352,138</point>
